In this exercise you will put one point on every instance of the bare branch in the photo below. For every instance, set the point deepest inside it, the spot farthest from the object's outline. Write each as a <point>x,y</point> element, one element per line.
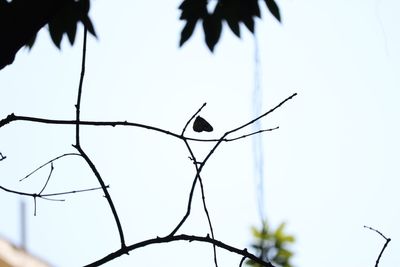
<point>190,238</point>
<point>34,204</point>
<point>78,101</point>
<point>106,193</point>
<point>13,118</point>
<point>48,178</point>
<point>200,166</point>
<point>52,199</point>
<point>2,157</point>
<point>49,162</point>
<point>45,196</point>
<point>241,261</point>
<point>250,134</point>
<point>73,192</point>
<point>384,246</point>
<point>263,115</point>
<point>198,178</point>
<point>208,217</point>
<point>85,156</point>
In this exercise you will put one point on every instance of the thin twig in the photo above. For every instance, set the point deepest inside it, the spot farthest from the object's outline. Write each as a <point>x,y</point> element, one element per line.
<point>52,199</point>
<point>263,115</point>
<point>190,238</point>
<point>198,178</point>
<point>241,127</point>
<point>73,191</point>
<point>106,194</point>
<point>250,134</point>
<point>194,115</point>
<point>34,205</point>
<point>79,98</point>
<point>35,195</point>
<point>48,178</point>
<point>384,246</point>
<point>13,118</point>
<point>208,218</point>
<point>241,261</point>
<point>2,157</point>
<point>187,210</point>
<point>49,162</point>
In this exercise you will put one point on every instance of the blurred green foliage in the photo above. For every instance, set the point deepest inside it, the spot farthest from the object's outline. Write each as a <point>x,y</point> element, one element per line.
<point>273,246</point>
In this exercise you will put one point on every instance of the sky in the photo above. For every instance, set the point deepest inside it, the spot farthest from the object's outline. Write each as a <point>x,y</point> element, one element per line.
<point>330,169</point>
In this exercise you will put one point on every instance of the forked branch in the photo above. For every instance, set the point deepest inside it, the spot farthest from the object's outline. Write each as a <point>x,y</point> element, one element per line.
<point>384,246</point>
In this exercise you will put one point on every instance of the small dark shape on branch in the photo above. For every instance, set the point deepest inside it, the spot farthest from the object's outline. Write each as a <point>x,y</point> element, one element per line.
<point>200,125</point>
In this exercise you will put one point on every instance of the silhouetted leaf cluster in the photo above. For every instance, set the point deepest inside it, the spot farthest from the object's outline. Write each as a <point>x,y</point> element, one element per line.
<point>20,20</point>
<point>67,20</point>
<point>272,246</point>
<point>233,12</point>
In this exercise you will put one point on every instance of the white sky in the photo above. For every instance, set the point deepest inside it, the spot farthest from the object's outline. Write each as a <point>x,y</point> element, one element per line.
<point>330,169</point>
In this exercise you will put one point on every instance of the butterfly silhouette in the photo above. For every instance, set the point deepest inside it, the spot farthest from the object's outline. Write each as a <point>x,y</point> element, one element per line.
<point>200,125</point>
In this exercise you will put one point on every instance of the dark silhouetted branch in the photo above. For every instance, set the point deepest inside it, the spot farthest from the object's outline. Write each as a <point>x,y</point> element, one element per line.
<point>198,178</point>
<point>384,246</point>
<point>84,155</point>
<point>79,97</point>
<point>199,165</point>
<point>106,193</point>
<point>241,261</point>
<point>250,134</point>
<point>13,118</point>
<point>168,239</point>
<point>47,196</point>
<point>263,115</point>
<point>48,178</point>
<point>194,115</point>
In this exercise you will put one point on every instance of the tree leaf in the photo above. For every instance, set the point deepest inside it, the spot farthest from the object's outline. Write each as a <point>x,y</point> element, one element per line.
<point>187,31</point>
<point>193,9</point>
<point>274,9</point>
<point>229,12</point>
<point>31,42</point>
<point>89,26</point>
<point>249,22</point>
<point>246,14</point>
<point>56,33</point>
<point>254,8</point>
<point>234,26</point>
<point>212,26</point>
<point>71,32</point>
